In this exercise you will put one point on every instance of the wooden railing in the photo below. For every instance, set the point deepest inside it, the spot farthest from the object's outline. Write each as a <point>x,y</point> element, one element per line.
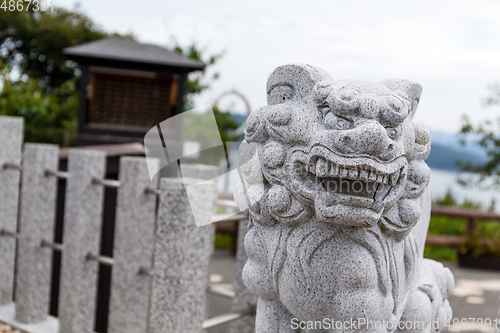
<point>473,217</point>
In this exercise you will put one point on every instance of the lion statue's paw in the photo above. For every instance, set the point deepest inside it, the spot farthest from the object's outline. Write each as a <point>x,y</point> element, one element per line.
<point>427,308</point>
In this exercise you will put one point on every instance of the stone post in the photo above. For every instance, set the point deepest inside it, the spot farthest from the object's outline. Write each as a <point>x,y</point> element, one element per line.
<point>11,140</point>
<point>36,224</point>
<point>181,257</point>
<point>82,230</point>
<point>133,248</point>
<point>200,171</point>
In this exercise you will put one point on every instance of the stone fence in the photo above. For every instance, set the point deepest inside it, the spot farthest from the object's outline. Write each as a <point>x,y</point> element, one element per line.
<point>160,263</point>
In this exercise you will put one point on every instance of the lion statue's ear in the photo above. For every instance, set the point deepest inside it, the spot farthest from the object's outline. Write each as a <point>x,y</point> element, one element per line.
<point>291,82</point>
<point>407,89</point>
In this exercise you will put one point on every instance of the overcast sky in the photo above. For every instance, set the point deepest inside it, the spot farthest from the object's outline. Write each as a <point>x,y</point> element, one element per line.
<point>452,48</point>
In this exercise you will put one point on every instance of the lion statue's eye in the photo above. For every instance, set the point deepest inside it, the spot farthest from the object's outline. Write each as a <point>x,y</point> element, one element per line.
<point>280,94</point>
<point>324,110</point>
<point>342,124</point>
<point>392,133</point>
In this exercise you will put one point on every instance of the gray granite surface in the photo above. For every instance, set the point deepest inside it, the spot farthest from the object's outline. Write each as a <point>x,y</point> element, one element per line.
<point>133,248</point>
<point>200,171</point>
<point>11,140</point>
<point>336,192</point>
<point>82,233</point>
<point>181,258</point>
<point>36,224</point>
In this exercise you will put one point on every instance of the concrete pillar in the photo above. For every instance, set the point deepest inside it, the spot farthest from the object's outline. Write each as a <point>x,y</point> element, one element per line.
<point>11,140</point>
<point>82,234</point>
<point>36,223</point>
<point>182,256</point>
<point>133,248</point>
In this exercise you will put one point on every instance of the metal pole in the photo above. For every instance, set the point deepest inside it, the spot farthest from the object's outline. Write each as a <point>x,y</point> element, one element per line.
<point>7,233</point>
<point>226,318</point>
<point>53,246</point>
<point>12,166</point>
<point>106,182</point>
<point>220,292</point>
<point>101,259</point>
<point>57,174</point>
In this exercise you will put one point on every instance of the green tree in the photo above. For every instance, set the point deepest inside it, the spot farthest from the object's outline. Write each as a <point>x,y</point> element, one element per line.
<point>49,117</point>
<point>31,46</point>
<point>448,199</point>
<point>197,81</point>
<point>33,42</point>
<point>487,136</point>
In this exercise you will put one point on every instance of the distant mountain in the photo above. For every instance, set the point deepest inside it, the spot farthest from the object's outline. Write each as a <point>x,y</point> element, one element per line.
<point>451,141</point>
<point>445,157</point>
<point>446,150</point>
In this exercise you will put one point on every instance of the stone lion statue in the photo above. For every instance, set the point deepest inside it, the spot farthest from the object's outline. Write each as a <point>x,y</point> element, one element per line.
<point>335,186</point>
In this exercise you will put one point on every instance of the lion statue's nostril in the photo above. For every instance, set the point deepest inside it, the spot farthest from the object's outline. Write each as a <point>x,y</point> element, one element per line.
<point>388,154</point>
<point>348,145</point>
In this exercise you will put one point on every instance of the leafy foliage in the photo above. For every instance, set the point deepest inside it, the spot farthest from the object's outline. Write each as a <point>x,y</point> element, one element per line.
<point>195,129</point>
<point>485,241</point>
<point>227,123</point>
<point>449,199</point>
<point>223,241</point>
<point>31,44</point>
<point>49,117</point>
<point>197,82</point>
<point>494,98</point>
<point>487,136</point>
<point>34,42</point>
<point>440,253</point>
<point>443,225</point>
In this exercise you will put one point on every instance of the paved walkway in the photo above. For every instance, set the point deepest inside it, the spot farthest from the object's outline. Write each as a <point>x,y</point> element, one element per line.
<point>476,295</point>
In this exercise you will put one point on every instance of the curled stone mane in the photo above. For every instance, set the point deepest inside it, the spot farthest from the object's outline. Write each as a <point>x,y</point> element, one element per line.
<point>335,185</point>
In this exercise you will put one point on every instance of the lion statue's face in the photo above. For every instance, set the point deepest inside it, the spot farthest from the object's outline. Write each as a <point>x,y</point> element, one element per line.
<point>343,151</point>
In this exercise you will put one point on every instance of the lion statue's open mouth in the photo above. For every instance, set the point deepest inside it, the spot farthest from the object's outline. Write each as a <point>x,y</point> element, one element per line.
<point>347,188</point>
